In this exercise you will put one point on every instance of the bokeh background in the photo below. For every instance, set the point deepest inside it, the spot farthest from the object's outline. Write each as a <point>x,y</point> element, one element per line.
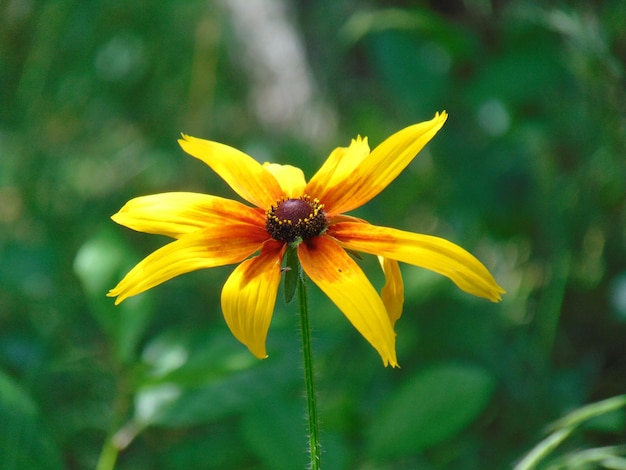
<point>528,174</point>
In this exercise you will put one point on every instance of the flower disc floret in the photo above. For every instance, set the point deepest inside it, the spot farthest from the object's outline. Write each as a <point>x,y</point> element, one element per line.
<point>293,219</point>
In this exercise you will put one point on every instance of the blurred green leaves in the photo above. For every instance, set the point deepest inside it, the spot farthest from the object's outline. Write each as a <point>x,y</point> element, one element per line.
<point>430,407</point>
<point>601,413</point>
<point>98,264</point>
<point>198,378</point>
<point>25,442</point>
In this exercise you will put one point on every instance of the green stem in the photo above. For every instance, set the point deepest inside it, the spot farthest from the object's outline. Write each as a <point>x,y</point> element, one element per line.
<point>108,456</point>
<point>309,378</point>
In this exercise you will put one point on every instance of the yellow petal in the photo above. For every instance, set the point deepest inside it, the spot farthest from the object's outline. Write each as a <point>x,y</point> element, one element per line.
<point>428,252</point>
<point>380,168</point>
<point>176,214</point>
<point>341,163</point>
<point>392,292</point>
<point>218,246</point>
<point>243,173</point>
<point>341,279</point>
<point>249,295</point>
<point>290,178</point>
<point>344,218</point>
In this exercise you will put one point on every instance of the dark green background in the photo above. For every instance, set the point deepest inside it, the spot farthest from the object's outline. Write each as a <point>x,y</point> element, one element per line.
<point>528,174</point>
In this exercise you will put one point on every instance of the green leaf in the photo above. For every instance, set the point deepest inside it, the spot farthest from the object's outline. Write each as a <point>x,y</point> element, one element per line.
<point>565,426</point>
<point>432,406</point>
<point>592,411</point>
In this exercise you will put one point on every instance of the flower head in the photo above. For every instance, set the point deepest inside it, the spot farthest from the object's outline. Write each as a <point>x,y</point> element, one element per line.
<point>285,210</point>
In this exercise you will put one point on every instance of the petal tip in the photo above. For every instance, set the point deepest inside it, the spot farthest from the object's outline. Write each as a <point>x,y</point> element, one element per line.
<point>261,354</point>
<point>497,295</point>
<point>393,363</point>
<point>184,139</point>
<point>114,293</point>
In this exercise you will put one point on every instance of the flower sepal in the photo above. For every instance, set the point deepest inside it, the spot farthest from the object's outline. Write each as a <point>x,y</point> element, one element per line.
<point>290,272</point>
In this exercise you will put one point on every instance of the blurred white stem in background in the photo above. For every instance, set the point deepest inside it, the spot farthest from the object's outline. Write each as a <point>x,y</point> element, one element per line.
<point>283,92</point>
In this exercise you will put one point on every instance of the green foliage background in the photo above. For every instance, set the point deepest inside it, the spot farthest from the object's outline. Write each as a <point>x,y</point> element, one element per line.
<point>528,174</point>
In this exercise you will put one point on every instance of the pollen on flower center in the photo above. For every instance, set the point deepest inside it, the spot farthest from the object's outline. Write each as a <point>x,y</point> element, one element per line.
<point>291,219</point>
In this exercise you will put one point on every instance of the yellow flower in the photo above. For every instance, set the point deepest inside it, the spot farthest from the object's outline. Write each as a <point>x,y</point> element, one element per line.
<point>212,231</point>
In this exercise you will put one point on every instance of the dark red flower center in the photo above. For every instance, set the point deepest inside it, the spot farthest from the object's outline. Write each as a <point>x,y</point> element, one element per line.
<point>293,219</point>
